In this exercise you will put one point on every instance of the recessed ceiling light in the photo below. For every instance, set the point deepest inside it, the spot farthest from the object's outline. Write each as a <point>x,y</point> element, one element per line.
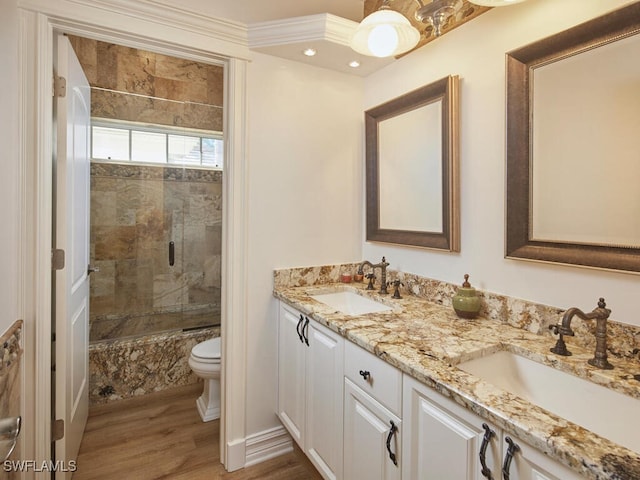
<point>309,52</point>
<point>354,64</point>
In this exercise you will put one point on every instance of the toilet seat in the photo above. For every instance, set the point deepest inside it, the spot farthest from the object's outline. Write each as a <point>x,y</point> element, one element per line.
<point>209,350</point>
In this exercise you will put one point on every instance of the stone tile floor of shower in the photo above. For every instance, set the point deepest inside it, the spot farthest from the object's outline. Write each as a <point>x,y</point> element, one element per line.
<point>161,436</point>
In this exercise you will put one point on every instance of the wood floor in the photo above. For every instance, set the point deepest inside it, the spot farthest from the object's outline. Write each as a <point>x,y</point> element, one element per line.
<point>161,436</point>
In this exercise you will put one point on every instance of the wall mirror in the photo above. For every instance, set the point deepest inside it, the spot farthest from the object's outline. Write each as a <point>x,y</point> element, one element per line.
<point>573,143</point>
<point>412,168</point>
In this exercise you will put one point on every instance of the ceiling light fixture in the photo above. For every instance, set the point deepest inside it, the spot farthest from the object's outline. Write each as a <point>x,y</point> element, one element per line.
<point>437,13</point>
<point>387,33</point>
<point>354,64</point>
<point>309,52</point>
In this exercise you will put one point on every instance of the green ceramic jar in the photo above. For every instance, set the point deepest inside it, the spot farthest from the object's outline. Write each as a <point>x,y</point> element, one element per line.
<point>466,301</point>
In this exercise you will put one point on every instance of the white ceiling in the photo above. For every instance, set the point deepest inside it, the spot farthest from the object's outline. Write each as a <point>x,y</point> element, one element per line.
<point>284,28</point>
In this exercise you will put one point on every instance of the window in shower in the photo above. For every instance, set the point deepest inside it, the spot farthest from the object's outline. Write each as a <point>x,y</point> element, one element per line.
<point>120,141</point>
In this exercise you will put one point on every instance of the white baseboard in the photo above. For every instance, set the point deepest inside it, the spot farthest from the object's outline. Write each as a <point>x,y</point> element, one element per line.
<point>267,444</point>
<point>236,455</point>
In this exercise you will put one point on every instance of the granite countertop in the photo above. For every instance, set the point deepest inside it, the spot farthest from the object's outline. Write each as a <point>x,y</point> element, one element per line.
<point>426,341</point>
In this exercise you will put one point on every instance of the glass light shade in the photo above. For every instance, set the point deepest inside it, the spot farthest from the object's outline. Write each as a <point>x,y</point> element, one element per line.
<point>495,3</point>
<point>384,33</point>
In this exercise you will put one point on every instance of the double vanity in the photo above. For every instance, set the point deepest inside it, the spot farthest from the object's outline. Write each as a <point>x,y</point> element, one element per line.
<point>376,387</point>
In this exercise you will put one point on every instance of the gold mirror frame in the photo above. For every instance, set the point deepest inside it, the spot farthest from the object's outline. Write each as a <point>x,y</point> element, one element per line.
<point>600,31</point>
<point>446,91</point>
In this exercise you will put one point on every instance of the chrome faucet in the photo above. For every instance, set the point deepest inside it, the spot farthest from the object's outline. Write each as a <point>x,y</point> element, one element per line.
<point>383,273</point>
<point>600,314</point>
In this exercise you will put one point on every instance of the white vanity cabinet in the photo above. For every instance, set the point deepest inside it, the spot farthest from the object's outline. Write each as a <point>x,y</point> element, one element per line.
<point>357,417</point>
<point>372,423</point>
<point>531,464</point>
<point>444,440</point>
<point>310,388</point>
<point>372,437</point>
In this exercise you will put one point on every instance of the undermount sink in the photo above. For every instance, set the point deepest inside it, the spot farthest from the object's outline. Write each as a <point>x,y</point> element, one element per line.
<point>608,413</point>
<point>350,303</point>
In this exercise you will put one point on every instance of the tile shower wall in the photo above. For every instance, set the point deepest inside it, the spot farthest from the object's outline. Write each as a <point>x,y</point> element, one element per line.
<point>135,212</point>
<point>136,85</point>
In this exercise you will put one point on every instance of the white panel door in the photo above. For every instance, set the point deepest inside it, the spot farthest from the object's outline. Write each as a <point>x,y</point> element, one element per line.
<point>71,284</point>
<point>447,447</point>
<point>443,440</point>
<point>324,372</point>
<point>291,365</point>
<point>531,464</point>
<point>370,440</point>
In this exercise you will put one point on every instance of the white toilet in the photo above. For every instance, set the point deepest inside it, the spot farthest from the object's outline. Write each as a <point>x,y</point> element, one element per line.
<point>205,363</point>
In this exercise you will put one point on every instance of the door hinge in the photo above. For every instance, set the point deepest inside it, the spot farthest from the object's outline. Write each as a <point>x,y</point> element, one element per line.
<point>57,430</point>
<point>59,86</point>
<point>57,259</point>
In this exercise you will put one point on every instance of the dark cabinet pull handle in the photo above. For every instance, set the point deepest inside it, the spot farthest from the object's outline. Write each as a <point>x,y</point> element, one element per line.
<point>513,448</point>
<point>392,431</point>
<point>172,253</point>
<point>488,435</point>
<point>365,374</point>
<point>304,330</point>
<point>298,328</point>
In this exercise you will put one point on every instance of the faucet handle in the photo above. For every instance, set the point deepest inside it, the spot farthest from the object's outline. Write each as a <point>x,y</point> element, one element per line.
<point>560,348</point>
<point>371,277</point>
<point>396,288</point>
<point>561,330</point>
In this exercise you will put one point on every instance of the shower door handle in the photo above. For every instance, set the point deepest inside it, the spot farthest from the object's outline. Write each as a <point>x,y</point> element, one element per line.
<point>172,253</point>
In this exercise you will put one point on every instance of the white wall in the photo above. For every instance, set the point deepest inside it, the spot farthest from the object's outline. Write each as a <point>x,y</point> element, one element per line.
<point>305,171</point>
<point>476,52</point>
<point>9,180</point>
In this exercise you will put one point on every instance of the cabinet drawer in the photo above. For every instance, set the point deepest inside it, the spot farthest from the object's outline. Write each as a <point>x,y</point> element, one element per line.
<point>383,381</point>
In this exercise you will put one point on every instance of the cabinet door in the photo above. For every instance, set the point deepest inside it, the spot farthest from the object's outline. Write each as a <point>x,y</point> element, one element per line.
<point>443,440</point>
<point>531,464</point>
<point>367,431</point>
<point>324,373</point>
<point>291,372</point>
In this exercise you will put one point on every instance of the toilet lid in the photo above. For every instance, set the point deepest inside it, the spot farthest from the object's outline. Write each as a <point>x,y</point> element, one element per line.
<point>207,349</point>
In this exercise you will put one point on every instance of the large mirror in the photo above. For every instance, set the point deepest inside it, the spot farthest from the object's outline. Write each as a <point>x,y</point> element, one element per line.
<point>412,168</point>
<point>573,145</point>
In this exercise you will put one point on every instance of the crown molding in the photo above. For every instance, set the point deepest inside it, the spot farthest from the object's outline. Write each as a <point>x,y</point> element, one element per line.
<point>226,37</point>
<point>320,27</point>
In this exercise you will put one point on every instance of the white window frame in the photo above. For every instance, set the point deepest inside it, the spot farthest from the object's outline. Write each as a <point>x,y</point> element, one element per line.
<point>162,129</point>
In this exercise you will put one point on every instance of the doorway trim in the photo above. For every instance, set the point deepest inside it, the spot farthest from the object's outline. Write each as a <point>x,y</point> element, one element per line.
<point>169,31</point>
